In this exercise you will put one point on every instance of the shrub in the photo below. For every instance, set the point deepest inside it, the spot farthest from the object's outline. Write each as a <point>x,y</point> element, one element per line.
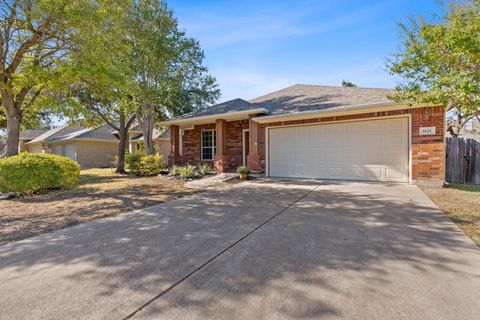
<point>132,162</point>
<point>204,169</point>
<point>150,165</point>
<point>175,171</point>
<point>187,172</point>
<point>243,169</point>
<point>27,173</point>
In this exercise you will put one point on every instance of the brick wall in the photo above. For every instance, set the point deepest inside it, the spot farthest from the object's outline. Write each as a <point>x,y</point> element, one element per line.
<point>428,152</point>
<point>191,140</point>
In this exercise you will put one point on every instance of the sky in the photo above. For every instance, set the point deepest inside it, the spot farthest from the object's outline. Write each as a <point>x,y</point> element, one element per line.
<point>256,47</point>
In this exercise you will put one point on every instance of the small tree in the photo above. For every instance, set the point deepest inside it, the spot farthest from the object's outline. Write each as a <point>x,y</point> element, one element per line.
<point>346,83</point>
<point>439,62</point>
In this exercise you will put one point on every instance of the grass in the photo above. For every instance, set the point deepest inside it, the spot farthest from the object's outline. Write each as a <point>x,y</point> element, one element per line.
<point>100,193</point>
<point>462,204</point>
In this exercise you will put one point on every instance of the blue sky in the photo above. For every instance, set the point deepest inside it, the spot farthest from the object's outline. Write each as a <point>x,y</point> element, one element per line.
<point>255,47</point>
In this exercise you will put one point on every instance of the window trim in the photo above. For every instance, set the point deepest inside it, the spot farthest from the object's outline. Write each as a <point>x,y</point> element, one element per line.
<point>214,144</point>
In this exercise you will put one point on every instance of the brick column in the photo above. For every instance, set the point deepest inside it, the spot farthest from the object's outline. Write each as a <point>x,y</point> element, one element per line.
<point>253,158</point>
<point>219,161</point>
<point>174,157</point>
<point>428,151</point>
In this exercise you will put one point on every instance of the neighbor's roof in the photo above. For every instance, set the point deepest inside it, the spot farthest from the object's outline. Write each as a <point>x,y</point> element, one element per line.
<point>157,134</point>
<point>300,98</point>
<point>76,132</point>
<point>32,133</point>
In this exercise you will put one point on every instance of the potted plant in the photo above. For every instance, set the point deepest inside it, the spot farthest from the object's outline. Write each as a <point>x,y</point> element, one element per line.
<point>243,172</point>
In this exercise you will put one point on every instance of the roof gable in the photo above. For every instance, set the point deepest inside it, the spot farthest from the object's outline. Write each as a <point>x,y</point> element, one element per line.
<point>234,105</point>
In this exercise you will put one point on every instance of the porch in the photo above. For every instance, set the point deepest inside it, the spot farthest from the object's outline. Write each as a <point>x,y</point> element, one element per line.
<point>226,144</point>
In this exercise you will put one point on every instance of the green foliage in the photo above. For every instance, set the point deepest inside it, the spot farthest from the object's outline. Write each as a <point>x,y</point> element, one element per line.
<point>46,45</point>
<point>132,162</point>
<point>151,165</point>
<point>175,171</point>
<point>346,83</point>
<point>243,169</point>
<point>438,61</point>
<point>187,172</point>
<point>204,169</point>
<point>28,173</point>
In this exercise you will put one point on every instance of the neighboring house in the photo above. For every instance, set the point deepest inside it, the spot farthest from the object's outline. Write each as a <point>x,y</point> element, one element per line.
<point>29,135</point>
<point>161,140</point>
<point>309,131</point>
<point>89,147</point>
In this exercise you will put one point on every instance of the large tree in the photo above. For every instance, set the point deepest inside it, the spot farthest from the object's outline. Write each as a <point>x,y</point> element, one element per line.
<point>439,61</point>
<point>93,106</point>
<point>37,39</point>
<point>169,75</point>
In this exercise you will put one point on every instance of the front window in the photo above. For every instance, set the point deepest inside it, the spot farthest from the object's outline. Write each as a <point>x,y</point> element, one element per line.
<point>208,144</point>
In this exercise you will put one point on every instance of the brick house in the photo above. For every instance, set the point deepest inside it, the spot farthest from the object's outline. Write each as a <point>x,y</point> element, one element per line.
<point>308,131</point>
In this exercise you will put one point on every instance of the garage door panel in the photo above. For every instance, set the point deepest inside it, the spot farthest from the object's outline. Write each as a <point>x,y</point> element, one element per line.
<point>362,150</point>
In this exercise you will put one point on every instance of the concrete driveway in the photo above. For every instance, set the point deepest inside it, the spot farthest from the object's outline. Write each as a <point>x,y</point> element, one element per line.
<point>267,250</point>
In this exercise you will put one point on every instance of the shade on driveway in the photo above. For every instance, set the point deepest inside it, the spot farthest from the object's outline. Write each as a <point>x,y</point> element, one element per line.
<point>268,250</point>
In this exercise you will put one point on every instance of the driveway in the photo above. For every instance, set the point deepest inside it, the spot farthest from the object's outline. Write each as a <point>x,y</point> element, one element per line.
<point>273,249</point>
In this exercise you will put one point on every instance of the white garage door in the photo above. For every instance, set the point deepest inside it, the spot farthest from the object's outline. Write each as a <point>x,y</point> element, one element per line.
<point>69,151</point>
<point>374,150</point>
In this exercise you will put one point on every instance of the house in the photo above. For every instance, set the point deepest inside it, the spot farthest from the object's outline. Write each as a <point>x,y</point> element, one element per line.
<point>89,147</point>
<point>161,141</point>
<point>311,131</point>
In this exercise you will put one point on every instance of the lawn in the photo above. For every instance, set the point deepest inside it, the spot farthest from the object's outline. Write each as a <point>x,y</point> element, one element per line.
<point>100,193</point>
<point>462,204</point>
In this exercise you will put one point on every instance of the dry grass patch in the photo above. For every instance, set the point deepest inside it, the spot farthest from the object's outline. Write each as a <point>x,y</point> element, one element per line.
<point>101,193</point>
<point>462,204</point>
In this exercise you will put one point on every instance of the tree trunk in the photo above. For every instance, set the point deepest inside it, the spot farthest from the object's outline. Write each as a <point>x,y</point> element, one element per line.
<point>122,145</point>
<point>14,119</point>
<point>145,118</point>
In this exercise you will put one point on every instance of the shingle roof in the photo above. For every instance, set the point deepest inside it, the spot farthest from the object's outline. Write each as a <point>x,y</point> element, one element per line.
<point>224,107</point>
<point>300,97</point>
<point>157,134</point>
<point>104,132</point>
<point>78,132</point>
<point>32,133</point>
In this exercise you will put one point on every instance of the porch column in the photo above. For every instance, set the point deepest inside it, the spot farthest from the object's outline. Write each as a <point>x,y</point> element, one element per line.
<point>253,158</point>
<point>220,163</point>
<point>174,157</point>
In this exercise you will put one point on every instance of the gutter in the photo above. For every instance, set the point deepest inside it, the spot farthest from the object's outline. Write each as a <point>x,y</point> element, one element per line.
<point>337,111</point>
<point>213,117</point>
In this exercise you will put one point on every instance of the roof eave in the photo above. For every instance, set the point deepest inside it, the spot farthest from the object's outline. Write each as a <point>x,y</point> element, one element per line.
<point>337,111</point>
<point>213,117</point>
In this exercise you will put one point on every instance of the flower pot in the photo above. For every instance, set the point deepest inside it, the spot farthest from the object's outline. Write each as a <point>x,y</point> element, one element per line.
<point>243,176</point>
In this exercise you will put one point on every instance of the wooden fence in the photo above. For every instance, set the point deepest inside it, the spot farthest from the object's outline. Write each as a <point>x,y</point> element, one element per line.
<point>463,161</point>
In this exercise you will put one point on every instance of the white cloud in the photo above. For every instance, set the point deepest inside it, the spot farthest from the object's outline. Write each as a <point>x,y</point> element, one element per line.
<point>249,84</point>
<point>217,28</point>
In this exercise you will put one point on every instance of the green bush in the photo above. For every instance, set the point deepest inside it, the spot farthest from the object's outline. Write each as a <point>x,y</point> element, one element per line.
<point>27,173</point>
<point>204,169</point>
<point>187,172</point>
<point>150,165</point>
<point>175,171</point>
<point>132,162</point>
<point>243,169</point>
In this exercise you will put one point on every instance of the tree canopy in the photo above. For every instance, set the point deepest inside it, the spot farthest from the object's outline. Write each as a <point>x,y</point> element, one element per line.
<point>439,61</point>
<point>44,45</point>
